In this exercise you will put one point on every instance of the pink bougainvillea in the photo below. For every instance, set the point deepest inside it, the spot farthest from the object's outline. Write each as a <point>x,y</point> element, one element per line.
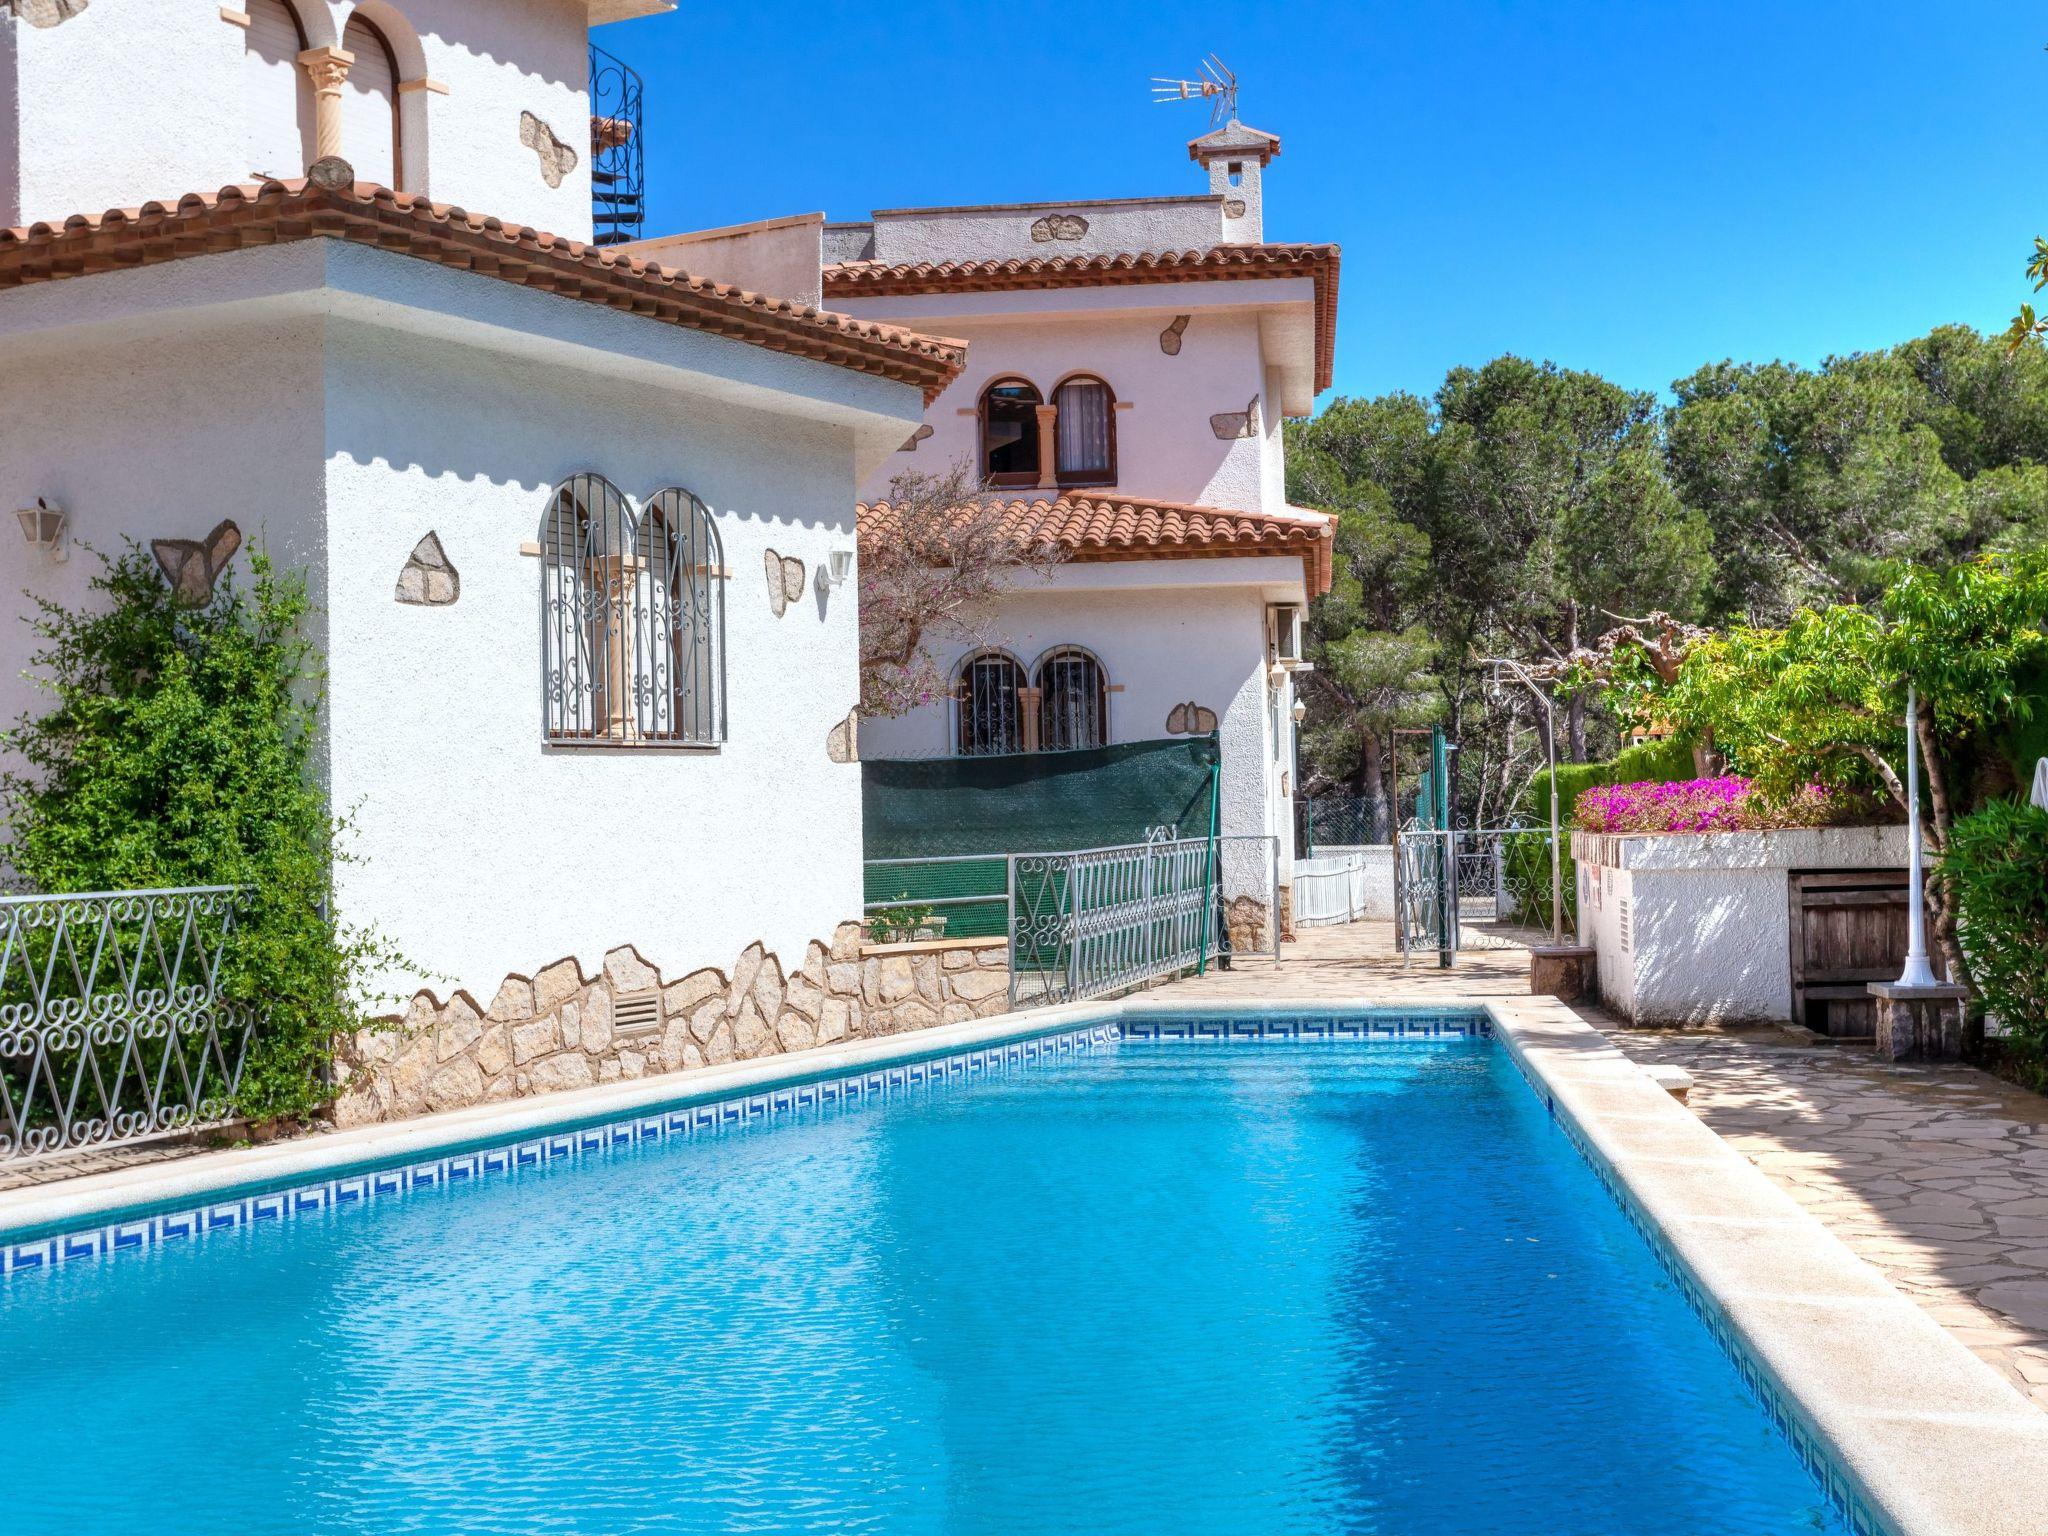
<point>1725,804</point>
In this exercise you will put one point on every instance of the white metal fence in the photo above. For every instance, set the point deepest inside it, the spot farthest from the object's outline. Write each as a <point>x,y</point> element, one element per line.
<point>1344,885</point>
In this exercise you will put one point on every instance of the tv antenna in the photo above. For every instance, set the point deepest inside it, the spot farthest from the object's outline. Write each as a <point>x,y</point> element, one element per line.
<point>1217,86</point>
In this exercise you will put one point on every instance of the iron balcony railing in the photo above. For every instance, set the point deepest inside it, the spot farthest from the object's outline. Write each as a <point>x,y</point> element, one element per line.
<point>618,180</point>
<point>112,1026</point>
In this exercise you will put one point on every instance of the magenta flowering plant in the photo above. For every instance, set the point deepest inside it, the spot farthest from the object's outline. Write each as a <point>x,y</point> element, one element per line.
<point>1728,803</point>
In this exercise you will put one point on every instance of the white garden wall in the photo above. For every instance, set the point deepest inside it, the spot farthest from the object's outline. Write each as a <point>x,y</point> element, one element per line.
<point>1695,928</point>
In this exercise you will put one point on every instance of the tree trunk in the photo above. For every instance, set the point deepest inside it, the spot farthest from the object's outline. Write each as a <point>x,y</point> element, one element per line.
<point>1941,824</point>
<point>1372,779</point>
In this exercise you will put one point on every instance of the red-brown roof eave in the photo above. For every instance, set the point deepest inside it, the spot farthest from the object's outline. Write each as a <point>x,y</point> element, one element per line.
<point>279,212</point>
<point>1103,528</point>
<point>1321,263</point>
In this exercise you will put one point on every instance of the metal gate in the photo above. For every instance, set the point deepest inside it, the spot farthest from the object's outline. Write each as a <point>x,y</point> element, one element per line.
<point>1487,888</point>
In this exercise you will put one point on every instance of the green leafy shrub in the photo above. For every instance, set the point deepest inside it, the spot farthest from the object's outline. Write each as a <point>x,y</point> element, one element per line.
<point>177,752</point>
<point>1997,868</point>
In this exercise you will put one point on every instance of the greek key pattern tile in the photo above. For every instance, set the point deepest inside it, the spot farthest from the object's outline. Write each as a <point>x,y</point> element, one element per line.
<point>366,1188</point>
<point>1391,1024</point>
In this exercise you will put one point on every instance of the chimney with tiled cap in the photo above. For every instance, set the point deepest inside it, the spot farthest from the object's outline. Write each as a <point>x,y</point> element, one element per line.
<point>1235,157</point>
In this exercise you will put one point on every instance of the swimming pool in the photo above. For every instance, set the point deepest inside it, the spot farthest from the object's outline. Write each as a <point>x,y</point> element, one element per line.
<point>1257,1285</point>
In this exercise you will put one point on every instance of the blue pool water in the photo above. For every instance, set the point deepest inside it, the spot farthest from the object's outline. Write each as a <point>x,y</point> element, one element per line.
<point>1240,1288</point>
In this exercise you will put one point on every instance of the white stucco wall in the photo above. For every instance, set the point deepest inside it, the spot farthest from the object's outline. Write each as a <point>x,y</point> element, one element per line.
<point>118,435</point>
<point>994,231</point>
<point>1695,928</point>
<point>130,101</point>
<point>1166,449</point>
<point>436,712</point>
<point>1165,632</point>
<point>340,402</point>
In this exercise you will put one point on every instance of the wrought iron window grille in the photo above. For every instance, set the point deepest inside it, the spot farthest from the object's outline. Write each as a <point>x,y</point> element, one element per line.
<point>632,619</point>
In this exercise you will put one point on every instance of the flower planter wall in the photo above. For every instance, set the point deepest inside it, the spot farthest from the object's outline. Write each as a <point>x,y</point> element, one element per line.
<point>1695,928</point>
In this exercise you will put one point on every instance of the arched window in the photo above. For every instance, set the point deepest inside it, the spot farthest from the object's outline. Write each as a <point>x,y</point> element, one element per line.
<point>631,634</point>
<point>369,106</point>
<point>1009,432</point>
<point>1073,701</point>
<point>1085,432</point>
<point>991,705</point>
<point>277,96</point>
<point>686,617</point>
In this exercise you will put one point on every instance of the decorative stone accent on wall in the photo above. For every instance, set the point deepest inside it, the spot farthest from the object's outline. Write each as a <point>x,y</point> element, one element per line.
<point>1058,226</point>
<point>557,159</point>
<point>1246,919</point>
<point>1233,208</point>
<point>192,566</point>
<point>1169,339</point>
<point>1244,423</point>
<point>785,581</point>
<point>427,580</point>
<point>910,443</point>
<point>562,1029</point>
<point>47,13</point>
<point>842,742</point>
<point>1190,719</point>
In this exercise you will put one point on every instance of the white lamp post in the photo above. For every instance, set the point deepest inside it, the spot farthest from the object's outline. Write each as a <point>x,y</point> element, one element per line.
<point>1918,973</point>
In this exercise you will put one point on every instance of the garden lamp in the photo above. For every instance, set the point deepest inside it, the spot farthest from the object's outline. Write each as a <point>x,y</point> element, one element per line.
<point>43,526</point>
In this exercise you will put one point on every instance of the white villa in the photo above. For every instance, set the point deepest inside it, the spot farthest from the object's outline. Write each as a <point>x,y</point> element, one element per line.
<point>534,482</point>
<point>1129,365</point>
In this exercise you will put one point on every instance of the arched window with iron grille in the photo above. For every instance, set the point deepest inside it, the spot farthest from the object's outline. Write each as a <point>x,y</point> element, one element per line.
<point>991,688</point>
<point>1073,701</point>
<point>632,621</point>
<point>686,616</point>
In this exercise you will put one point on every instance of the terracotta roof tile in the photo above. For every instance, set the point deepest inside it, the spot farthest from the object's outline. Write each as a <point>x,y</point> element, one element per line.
<point>336,207</point>
<point>1117,528</point>
<point>876,279</point>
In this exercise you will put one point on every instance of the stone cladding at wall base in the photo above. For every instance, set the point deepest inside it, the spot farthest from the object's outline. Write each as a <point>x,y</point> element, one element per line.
<point>561,1029</point>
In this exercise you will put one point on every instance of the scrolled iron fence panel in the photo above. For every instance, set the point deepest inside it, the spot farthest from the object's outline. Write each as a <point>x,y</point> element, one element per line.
<point>112,1026</point>
<point>1101,920</point>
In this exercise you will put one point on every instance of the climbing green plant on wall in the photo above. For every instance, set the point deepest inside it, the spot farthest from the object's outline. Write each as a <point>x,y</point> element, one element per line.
<point>176,750</point>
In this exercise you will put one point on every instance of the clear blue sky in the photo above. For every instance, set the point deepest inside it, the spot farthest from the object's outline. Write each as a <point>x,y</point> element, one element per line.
<point>1632,186</point>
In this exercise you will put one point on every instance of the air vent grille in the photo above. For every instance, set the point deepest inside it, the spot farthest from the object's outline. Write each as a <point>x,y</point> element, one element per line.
<point>637,1013</point>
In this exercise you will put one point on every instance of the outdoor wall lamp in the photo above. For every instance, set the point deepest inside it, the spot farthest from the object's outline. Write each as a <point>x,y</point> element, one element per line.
<point>43,526</point>
<point>1299,712</point>
<point>840,562</point>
